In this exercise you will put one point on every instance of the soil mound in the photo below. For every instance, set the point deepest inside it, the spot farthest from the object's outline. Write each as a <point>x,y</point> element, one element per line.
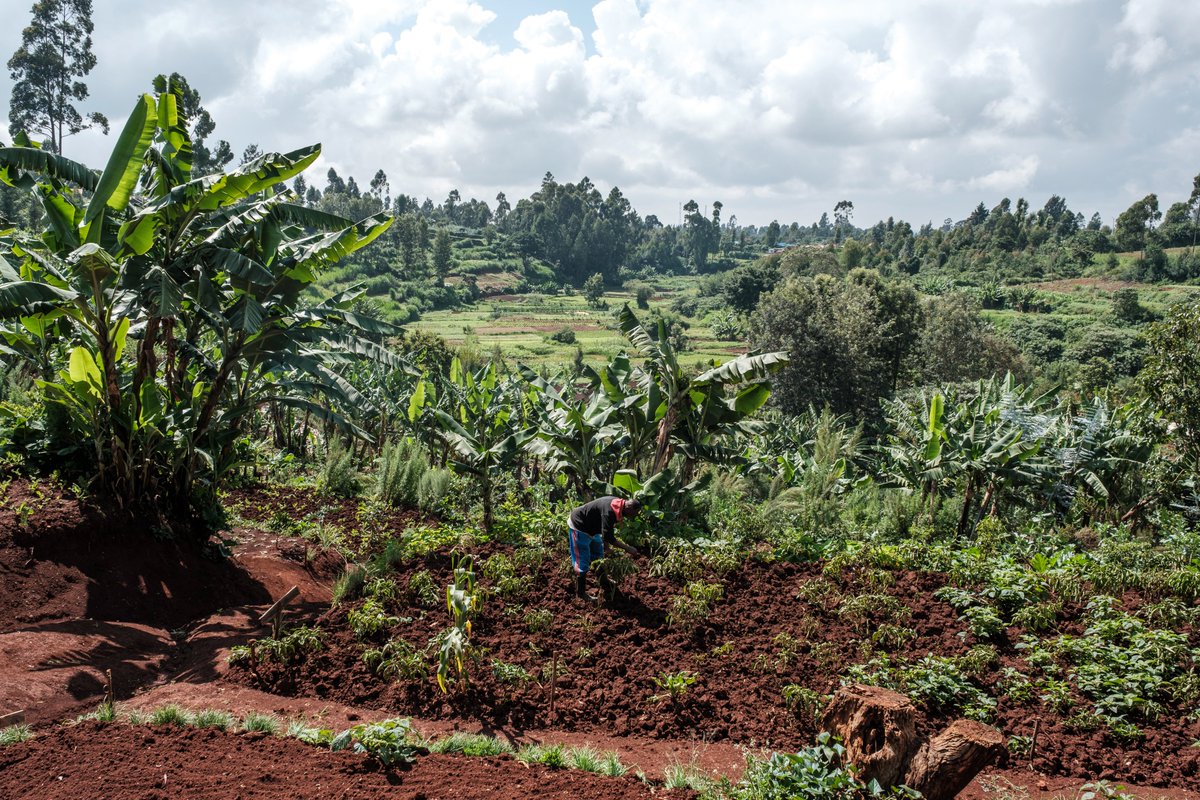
<point>61,558</point>
<point>92,760</point>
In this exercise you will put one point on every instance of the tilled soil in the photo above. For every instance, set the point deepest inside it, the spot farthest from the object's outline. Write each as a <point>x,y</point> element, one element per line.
<point>119,761</point>
<point>83,592</point>
<point>760,638</point>
<point>770,631</point>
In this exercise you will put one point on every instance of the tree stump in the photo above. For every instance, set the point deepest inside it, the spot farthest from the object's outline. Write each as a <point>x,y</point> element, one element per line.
<point>878,728</point>
<point>946,764</point>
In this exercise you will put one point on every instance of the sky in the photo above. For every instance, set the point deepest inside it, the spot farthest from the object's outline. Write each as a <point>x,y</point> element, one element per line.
<point>917,109</point>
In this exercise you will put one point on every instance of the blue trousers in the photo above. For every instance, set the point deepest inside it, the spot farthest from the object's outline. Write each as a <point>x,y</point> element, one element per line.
<point>584,548</point>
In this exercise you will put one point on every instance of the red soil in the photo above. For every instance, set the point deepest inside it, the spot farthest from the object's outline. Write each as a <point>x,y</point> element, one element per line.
<point>82,593</point>
<point>737,694</point>
<point>73,561</point>
<point>612,656</point>
<point>96,761</point>
<point>85,593</point>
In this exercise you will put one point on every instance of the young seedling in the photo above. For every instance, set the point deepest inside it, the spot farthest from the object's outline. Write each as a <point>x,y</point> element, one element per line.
<point>676,685</point>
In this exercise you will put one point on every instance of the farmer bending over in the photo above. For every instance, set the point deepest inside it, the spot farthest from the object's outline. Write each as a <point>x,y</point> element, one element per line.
<point>591,526</point>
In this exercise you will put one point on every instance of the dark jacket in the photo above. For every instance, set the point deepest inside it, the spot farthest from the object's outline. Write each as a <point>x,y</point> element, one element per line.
<point>596,518</point>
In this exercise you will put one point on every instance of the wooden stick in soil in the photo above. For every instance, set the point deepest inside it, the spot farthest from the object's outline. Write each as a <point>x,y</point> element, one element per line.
<point>1037,726</point>
<point>275,612</point>
<point>553,683</point>
<point>15,718</point>
<point>109,697</point>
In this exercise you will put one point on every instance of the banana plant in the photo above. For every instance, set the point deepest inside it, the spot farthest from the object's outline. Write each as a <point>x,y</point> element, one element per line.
<point>577,437</point>
<point>481,436</point>
<point>182,298</point>
<point>695,412</point>
<point>988,443</point>
<point>1095,451</point>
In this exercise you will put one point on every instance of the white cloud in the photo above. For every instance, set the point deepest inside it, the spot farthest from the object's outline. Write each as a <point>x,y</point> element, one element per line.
<point>778,109</point>
<point>1012,178</point>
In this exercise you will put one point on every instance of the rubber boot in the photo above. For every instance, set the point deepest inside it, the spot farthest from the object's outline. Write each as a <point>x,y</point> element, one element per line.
<point>581,588</point>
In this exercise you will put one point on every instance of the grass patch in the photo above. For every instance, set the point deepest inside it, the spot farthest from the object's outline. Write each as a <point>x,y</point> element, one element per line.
<point>260,723</point>
<point>170,715</point>
<point>471,744</point>
<point>14,734</point>
<point>678,775</point>
<point>211,718</point>
<point>550,755</point>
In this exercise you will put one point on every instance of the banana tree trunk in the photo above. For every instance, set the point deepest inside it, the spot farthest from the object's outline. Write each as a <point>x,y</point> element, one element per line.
<point>968,502</point>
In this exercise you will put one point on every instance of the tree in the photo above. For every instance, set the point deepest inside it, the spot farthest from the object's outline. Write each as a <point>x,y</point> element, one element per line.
<point>842,213</point>
<point>334,183</point>
<point>483,434</point>
<point>593,289</point>
<point>56,50</point>
<point>957,343</point>
<point>849,340</point>
<point>1170,376</point>
<point>1135,222</point>
<point>502,209</point>
<point>443,255</point>
<point>773,233</point>
<point>380,189</point>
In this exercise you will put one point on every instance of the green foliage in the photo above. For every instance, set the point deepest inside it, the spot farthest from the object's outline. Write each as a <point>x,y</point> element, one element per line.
<point>462,601</point>
<point>388,741</point>
<point>593,289</point>
<point>383,590</point>
<point>423,590</point>
<point>612,571</point>
<point>563,336</point>
<point>1171,375</point>
<point>15,734</point>
<point>802,700</point>
<point>936,682</point>
<point>339,477</point>
<point>170,714</point>
<point>550,755</point>
<point>983,621</point>
<point>54,55</point>
<point>675,684</point>
<point>211,718</point>
<point>433,489</point>
<point>471,744</point>
<point>399,473</point>
<point>695,604</point>
<point>396,660</point>
<point>848,339</point>
<point>209,274</point>
<point>349,585</point>
<point>815,771</point>
<point>538,620</point>
<point>296,642</point>
<point>260,723</point>
<point>513,674</point>
<point>370,619</point>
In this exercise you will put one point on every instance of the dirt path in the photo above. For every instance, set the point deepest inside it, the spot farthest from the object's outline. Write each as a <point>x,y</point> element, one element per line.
<point>118,761</point>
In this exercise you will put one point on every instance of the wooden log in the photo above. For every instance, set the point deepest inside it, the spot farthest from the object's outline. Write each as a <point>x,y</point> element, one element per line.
<point>277,609</point>
<point>878,729</point>
<point>13,718</point>
<point>946,764</point>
